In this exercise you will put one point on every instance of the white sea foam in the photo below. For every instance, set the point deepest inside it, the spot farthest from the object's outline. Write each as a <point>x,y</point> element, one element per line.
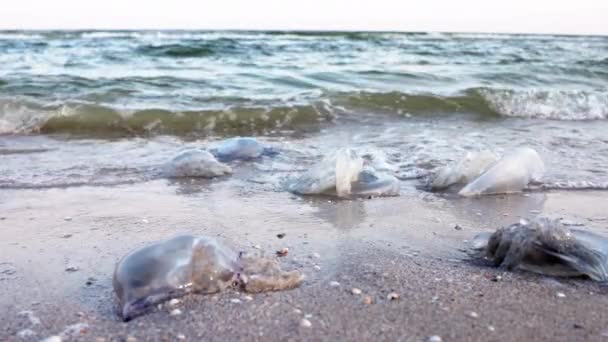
<point>554,104</point>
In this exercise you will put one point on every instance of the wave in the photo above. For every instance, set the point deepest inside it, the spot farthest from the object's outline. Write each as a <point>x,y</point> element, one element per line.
<point>86,119</point>
<point>190,49</point>
<point>548,104</point>
<point>241,116</point>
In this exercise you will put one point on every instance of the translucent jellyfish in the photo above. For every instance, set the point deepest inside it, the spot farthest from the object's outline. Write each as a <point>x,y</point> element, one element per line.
<point>190,264</point>
<point>464,171</point>
<point>547,247</point>
<point>195,163</point>
<point>241,148</point>
<point>344,174</point>
<point>512,173</point>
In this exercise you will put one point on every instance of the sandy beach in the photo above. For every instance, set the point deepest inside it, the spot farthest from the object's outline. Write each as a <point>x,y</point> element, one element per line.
<point>104,133</point>
<point>58,249</point>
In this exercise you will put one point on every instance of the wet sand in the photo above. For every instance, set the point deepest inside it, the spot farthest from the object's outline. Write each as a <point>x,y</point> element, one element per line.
<point>58,248</point>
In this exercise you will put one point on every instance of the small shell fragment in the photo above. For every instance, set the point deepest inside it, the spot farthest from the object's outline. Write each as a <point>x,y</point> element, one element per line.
<point>283,252</point>
<point>393,296</point>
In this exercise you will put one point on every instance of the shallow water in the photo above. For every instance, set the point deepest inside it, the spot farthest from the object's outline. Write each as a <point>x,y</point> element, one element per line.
<point>102,108</point>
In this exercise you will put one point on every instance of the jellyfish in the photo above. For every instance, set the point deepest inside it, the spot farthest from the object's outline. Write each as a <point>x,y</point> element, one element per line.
<point>546,247</point>
<point>464,171</point>
<point>512,173</point>
<point>344,174</point>
<point>191,264</point>
<point>195,163</point>
<point>241,148</point>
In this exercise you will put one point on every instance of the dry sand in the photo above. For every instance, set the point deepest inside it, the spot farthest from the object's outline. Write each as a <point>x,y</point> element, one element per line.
<point>406,245</point>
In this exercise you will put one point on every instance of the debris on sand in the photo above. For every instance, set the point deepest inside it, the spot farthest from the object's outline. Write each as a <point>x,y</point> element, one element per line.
<point>368,300</point>
<point>71,268</point>
<point>546,247</point>
<point>26,333</point>
<point>305,323</point>
<point>283,252</point>
<point>186,264</point>
<point>34,320</point>
<point>393,296</point>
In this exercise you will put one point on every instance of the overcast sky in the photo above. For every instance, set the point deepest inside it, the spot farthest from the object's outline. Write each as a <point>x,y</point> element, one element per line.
<point>533,16</point>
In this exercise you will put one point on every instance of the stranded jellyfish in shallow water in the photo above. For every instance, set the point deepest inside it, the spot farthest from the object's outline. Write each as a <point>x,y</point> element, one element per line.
<point>195,163</point>
<point>344,174</point>
<point>547,247</point>
<point>484,175</point>
<point>241,148</point>
<point>190,264</point>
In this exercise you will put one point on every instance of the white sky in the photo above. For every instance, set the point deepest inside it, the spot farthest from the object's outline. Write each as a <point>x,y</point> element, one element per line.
<point>531,16</point>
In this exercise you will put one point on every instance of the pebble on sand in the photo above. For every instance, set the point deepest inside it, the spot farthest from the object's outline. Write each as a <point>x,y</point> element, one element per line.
<point>67,218</point>
<point>316,255</point>
<point>131,339</point>
<point>491,328</point>
<point>181,336</point>
<point>283,252</point>
<point>305,323</point>
<point>317,267</point>
<point>248,298</point>
<point>334,283</point>
<point>355,291</point>
<point>175,312</point>
<point>281,235</point>
<point>52,339</point>
<point>257,247</point>
<point>368,300</point>
<point>473,314</point>
<point>71,268</point>
<point>434,338</point>
<point>173,302</point>
<point>393,296</point>
<point>235,301</point>
<point>457,227</point>
<point>25,333</point>
<point>561,295</point>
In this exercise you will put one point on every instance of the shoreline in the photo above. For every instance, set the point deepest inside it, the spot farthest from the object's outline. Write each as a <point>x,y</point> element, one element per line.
<point>407,245</point>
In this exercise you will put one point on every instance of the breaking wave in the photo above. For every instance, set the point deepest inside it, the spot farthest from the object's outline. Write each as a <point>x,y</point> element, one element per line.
<point>19,116</point>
